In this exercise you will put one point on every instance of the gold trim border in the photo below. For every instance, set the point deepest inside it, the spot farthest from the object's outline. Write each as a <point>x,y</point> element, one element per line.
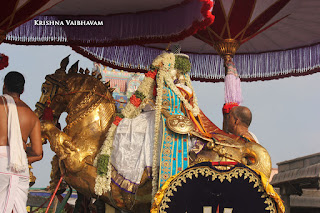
<point>162,196</point>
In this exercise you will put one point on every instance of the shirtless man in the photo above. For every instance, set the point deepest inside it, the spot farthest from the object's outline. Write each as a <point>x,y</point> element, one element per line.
<point>14,181</point>
<point>238,121</point>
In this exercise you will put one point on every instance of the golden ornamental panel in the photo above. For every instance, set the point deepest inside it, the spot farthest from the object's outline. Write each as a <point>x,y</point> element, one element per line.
<point>205,171</point>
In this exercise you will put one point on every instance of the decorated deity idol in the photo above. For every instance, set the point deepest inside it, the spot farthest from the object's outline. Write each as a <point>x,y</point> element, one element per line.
<point>159,126</point>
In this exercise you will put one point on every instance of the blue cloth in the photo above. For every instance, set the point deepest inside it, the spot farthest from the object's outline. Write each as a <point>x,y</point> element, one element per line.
<point>174,147</point>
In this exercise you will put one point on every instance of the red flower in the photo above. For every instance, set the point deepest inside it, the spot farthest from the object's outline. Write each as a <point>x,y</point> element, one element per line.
<point>135,101</point>
<point>151,74</point>
<point>3,61</point>
<point>117,120</point>
<point>228,106</point>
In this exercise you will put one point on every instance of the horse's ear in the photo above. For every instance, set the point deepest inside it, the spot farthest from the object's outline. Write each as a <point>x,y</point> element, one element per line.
<point>64,62</point>
<point>99,76</point>
<point>74,68</point>
<point>107,84</point>
<point>111,89</point>
<point>87,71</point>
<point>94,73</point>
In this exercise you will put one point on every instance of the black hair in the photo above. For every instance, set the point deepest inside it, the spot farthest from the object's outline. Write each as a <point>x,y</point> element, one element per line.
<point>14,82</point>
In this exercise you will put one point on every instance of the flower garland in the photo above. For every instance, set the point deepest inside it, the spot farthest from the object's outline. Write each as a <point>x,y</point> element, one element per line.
<point>137,102</point>
<point>167,61</point>
<point>195,108</point>
<point>155,172</point>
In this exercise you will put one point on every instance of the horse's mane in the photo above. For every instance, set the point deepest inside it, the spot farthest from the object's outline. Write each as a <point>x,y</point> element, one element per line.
<point>83,77</point>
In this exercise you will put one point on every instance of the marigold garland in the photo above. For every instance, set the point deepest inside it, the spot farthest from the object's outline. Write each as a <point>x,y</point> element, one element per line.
<point>151,74</point>
<point>135,101</point>
<point>117,120</point>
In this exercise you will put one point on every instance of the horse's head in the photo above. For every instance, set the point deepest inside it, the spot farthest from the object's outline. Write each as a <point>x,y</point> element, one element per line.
<point>54,84</point>
<point>63,92</point>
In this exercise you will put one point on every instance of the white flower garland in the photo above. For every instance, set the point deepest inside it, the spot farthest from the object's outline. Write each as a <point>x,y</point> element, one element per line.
<point>103,182</point>
<point>155,172</point>
<point>195,108</point>
<point>166,63</point>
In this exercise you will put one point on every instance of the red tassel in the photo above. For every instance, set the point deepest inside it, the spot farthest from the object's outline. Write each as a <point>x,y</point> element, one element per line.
<point>217,209</point>
<point>47,112</point>
<point>228,106</point>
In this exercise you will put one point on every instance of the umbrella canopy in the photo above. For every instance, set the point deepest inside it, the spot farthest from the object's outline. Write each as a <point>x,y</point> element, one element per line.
<point>15,12</point>
<point>113,22</point>
<point>275,38</point>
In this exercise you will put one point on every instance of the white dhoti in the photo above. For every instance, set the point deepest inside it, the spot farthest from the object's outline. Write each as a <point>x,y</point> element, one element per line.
<point>13,186</point>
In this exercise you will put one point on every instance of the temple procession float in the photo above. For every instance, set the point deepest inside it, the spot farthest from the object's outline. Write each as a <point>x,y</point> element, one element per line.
<point>153,149</point>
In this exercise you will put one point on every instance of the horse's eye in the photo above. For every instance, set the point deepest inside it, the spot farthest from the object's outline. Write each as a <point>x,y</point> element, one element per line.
<point>44,90</point>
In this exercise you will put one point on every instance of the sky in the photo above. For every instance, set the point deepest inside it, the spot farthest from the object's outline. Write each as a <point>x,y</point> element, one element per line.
<point>285,112</point>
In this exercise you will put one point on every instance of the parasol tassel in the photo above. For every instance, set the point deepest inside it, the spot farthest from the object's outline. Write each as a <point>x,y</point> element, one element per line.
<point>232,89</point>
<point>47,112</point>
<point>232,86</point>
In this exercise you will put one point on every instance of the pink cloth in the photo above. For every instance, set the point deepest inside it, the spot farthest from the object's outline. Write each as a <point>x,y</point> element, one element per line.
<point>232,89</point>
<point>14,186</point>
<point>232,85</point>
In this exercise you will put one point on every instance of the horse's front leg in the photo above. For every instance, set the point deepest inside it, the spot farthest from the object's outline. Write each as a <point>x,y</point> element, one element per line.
<point>62,145</point>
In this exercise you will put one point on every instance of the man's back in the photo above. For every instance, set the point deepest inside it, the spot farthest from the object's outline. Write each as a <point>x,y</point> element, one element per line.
<point>16,118</point>
<point>27,119</point>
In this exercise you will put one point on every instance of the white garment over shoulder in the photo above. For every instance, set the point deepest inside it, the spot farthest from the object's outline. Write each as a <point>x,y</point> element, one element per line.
<point>14,172</point>
<point>18,158</point>
<point>254,137</point>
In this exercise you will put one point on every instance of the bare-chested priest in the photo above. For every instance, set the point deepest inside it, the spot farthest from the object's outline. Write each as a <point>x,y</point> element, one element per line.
<point>17,123</point>
<point>238,122</point>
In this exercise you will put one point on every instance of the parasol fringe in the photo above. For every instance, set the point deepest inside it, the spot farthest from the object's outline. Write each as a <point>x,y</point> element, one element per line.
<point>205,67</point>
<point>140,28</point>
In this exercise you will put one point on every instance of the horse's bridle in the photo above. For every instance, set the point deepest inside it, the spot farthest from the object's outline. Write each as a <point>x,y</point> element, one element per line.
<point>56,85</point>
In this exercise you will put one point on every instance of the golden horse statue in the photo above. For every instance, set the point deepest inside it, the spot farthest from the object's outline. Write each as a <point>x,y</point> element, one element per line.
<point>91,109</point>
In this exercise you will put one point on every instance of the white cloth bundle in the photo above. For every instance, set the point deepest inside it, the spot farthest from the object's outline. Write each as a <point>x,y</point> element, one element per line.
<point>133,146</point>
